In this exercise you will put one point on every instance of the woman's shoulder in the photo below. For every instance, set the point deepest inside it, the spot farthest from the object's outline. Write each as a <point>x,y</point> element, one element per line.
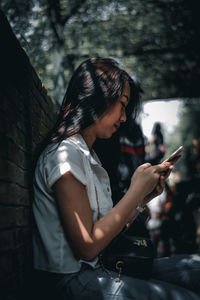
<point>64,149</point>
<point>61,151</point>
<point>59,158</point>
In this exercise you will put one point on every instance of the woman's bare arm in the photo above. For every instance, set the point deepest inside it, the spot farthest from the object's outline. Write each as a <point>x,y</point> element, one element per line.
<point>88,238</point>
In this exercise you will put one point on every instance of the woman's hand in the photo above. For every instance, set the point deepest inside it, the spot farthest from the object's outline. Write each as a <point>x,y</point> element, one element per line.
<point>157,191</point>
<point>150,179</point>
<point>159,187</point>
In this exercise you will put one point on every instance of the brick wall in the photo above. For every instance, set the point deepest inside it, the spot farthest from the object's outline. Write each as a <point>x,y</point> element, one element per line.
<point>26,114</point>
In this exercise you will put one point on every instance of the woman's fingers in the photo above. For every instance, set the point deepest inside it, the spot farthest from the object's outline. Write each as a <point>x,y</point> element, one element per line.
<point>159,189</point>
<point>150,179</point>
<point>161,185</point>
<point>162,181</point>
<point>146,165</point>
<point>163,170</point>
<point>163,167</point>
<point>167,173</point>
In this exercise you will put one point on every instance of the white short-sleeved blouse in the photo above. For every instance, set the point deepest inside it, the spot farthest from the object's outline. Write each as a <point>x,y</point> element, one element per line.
<point>52,251</point>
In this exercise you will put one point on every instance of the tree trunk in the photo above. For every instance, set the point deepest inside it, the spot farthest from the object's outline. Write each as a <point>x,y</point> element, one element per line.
<point>58,73</point>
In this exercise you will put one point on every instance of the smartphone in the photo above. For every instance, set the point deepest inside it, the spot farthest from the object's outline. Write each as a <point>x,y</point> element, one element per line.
<point>175,155</point>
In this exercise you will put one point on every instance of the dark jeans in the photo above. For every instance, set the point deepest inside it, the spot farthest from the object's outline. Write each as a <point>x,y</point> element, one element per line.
<point>173,278</point>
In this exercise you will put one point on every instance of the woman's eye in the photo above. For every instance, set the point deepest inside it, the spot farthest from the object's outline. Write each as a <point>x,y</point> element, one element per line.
<point>123,105</point>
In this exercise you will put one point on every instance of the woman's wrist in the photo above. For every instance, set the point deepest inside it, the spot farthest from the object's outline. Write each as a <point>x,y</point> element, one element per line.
<point>135,198</point>
<point>140,205</point>
<point>137,193</point>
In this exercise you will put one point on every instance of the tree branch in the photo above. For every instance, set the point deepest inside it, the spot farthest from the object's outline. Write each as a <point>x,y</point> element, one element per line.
<point>184,48</point>
<point>56,20</point>
<point>73,11</point>
<point>53,10</point>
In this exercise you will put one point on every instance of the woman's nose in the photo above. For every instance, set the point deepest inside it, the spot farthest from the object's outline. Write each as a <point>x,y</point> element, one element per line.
<point>123,117</point>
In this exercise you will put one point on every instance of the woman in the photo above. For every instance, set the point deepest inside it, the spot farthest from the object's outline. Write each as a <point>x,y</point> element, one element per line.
<point>155,149</point>
<point>72,207</point>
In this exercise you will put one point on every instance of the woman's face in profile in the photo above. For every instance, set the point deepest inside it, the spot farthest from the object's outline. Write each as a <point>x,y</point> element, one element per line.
<point>111,119</point>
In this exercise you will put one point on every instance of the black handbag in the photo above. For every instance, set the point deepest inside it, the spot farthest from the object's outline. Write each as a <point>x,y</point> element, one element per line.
<point>129,255</point>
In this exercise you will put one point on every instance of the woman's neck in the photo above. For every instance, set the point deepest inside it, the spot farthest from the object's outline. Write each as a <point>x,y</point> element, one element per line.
<point>89,136</point>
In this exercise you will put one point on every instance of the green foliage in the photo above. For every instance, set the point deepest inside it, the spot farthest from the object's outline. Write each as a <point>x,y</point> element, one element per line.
<point>185,132</point>
<point>156,39</point>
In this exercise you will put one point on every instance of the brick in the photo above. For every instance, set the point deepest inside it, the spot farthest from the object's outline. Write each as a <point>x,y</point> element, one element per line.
<point>39,128</point>
<point>47,108</point>
<point>6,265</point>
<point>10,130</point>
<point>12,152</point>
<point>12,216</point>
<point>14,238</point>
<point>13,194</point>
<point>15,270</point>
<point>21,123</point>
<point>10,172</point>
<point>26,115</point>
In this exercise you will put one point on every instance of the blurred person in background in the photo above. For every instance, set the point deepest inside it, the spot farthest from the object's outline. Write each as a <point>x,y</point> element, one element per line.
<point>155,149</point>
<point>161,224</point>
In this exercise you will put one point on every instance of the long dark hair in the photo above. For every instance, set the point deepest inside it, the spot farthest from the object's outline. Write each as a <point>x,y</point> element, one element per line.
<point>95,85</point>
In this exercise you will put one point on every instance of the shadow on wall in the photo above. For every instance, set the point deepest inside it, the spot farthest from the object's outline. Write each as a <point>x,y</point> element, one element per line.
<point>26,114</point>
